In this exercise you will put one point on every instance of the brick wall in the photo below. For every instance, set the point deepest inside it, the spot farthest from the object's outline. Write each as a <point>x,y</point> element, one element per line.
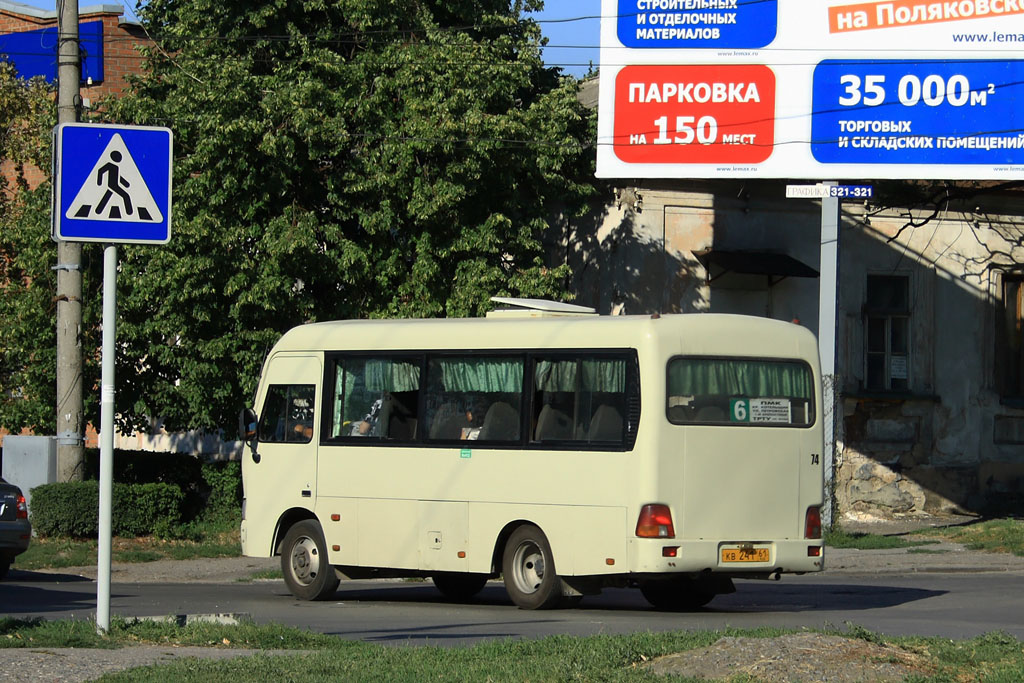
<point>120,56</point>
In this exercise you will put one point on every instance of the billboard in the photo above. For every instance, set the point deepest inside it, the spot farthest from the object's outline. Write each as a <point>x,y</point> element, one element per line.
<point>822,89</point>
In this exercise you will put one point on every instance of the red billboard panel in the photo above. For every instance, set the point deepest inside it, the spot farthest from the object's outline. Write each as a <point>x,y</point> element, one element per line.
<point>704,114</point>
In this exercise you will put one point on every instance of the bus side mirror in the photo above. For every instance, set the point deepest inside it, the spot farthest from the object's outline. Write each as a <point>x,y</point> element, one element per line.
<point>247,425</point>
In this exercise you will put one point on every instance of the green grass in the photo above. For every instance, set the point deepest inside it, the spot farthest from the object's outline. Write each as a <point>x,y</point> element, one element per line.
<point>126,632</point>
<point>274,574</point>
<point>996,535</point>
<point>55,553</point>
<point>205,539</point>
<point>838,538</point>
<point>994,657</point>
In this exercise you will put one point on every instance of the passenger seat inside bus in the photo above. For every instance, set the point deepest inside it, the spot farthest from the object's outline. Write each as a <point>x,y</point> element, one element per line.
<point>710,414</point>
<point>448,422</point>
<point>677,414</point>
<point>401,424</point>
<point>553,425</point>
<point>606,425</point>
<point>501,423</point>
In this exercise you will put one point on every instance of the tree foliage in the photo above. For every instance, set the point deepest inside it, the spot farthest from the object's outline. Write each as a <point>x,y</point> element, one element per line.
<point>336,159</point>
<point>27,282</point>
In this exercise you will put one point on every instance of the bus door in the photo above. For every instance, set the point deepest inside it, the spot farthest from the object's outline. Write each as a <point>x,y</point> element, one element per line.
<point>281,471</point>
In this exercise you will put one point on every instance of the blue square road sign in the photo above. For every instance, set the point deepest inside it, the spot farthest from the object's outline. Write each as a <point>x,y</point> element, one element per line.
<point>112,183</point>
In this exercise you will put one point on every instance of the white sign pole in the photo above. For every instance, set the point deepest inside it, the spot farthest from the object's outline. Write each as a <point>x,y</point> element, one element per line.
<point>106,438</point>
<point>828,290</point>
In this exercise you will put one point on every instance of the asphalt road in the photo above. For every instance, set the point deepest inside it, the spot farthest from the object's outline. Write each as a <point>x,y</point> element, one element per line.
<point>949,604</point>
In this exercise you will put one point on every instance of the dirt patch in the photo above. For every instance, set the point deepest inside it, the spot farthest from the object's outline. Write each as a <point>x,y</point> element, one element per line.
<point>804,657</point>
<point>77,665</point>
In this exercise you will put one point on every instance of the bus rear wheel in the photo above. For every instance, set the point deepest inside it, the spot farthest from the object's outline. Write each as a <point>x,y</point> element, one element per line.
<point>677,595</point>
<point>307,572</point>
<point>458,586</point>
<point>529,570</point>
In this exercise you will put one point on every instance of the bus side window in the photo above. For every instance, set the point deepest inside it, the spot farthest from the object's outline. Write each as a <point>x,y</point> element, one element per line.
<point>579,399</point>
<point>287,414</point>
<point>474,398</point>
<point>375,398</point>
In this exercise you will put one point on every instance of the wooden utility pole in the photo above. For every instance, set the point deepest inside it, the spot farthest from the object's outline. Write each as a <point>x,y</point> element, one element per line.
<point>70,444</point>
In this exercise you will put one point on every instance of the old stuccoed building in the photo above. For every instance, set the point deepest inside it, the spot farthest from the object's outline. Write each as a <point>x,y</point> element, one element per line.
<point>930,379</point>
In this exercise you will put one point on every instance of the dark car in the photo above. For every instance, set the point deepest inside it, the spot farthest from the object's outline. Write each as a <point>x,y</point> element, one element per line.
<point>15,530</point>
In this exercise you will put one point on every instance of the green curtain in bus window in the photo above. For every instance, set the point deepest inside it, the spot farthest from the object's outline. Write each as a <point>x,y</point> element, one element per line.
<point>604,375</point>
<point>555,375</point>
<point>598,375</point>
<point>482,374</point>
<point>343,385</point>
<point>751,378</point>
<point>389,375</point>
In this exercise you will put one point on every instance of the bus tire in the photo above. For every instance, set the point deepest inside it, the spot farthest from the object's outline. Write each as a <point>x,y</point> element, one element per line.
<point>304,562</point>
<point>529,570</point>
<point>459,586</point>
<point>677,595</point>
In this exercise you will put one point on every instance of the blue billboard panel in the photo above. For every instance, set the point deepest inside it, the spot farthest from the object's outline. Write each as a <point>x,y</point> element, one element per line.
<point>918,112</point>
<point>34,53</point>
<point>738,24</point>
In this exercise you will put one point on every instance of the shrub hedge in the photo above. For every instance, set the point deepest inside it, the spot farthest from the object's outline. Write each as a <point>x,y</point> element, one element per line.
<point>152,493</point>
<point>71,508</point>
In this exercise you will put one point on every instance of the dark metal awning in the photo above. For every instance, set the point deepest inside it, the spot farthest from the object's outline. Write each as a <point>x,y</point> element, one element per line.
<point>772,264</point>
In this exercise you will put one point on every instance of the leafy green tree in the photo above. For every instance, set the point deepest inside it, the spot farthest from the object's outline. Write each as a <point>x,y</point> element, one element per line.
<point>27,282</point>
<point>337,159</point>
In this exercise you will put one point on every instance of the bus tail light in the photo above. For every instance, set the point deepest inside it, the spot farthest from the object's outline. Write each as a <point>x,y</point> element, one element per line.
<point>812,522</point>
<point>22,509</point>
<point>655,522</point>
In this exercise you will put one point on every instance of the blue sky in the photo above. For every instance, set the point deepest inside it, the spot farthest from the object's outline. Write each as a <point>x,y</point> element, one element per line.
<point>573,44</point>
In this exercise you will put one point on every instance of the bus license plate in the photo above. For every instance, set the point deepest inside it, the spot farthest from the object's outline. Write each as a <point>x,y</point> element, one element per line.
<point>745,555</point>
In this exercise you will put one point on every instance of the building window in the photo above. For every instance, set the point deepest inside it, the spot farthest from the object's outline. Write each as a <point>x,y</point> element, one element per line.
<point>1010,349</point>
<point>887,333</point>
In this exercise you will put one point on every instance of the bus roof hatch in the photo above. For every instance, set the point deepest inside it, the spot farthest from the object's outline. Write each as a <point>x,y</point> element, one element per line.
<point>536,308</point>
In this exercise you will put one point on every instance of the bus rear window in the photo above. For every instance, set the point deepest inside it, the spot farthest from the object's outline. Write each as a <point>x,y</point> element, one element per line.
<point>735,391</point>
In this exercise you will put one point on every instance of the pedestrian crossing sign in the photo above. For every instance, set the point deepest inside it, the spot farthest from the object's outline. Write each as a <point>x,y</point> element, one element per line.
<point>112,183</point>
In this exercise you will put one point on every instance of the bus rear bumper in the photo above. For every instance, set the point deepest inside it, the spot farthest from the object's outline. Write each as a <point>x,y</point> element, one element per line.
<point>671,556</point>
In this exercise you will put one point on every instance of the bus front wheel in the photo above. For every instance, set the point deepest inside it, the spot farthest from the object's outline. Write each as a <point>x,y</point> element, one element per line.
<point>307,572</point>
<point>529,570</point>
